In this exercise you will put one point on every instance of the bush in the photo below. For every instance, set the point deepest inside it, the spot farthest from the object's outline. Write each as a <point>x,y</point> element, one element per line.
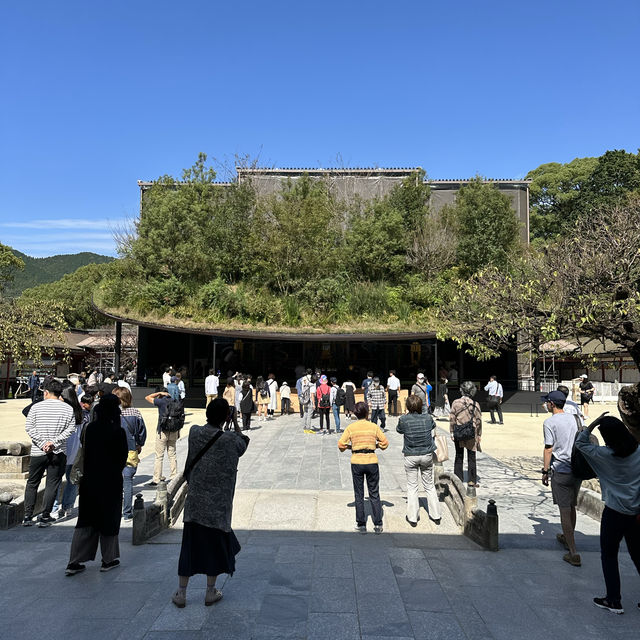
<point>164,293</point>
<point>369,299</point>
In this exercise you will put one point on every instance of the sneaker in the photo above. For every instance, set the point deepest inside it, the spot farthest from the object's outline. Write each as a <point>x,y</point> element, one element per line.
<point>179,598</point>
<point>212,596</point>
<point>413,524</point>
<point>73,568</point>
<point>107,566</point>
<point>574,561</point>
<point>377,529</point>
<point>614,607</point>
<point>61,514</point>
<point>127,518</point>
<point>361,528</point>
<point>27,522</point>
<point>436,521</point>
<point>152,484</point>
<point>562,540</point>
<point>45,521</point>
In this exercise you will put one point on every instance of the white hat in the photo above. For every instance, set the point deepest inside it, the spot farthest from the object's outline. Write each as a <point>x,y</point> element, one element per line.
<point>584,375</point>
<point>421,376</point>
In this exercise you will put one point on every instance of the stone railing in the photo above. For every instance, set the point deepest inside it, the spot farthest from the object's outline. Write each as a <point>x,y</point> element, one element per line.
<point>150,519</point>
<point>479,526</point>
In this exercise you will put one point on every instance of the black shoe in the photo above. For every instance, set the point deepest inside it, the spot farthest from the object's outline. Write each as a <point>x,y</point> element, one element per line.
<point>500,422</point>
<point>361,528</point>
<point>152,484</point>
<point>27,522</point>
<point>436,520</point>
<point>377,529</point>
<point>413,524</point>
<point>603,603</point>
<point>73,568</point>
<point>107,566</point>
<point>45,521</point>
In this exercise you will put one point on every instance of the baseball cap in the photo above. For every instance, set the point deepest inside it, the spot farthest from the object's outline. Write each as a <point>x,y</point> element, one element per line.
<point>555,397</point>
<point>584,375</point>
<point>421,376</point>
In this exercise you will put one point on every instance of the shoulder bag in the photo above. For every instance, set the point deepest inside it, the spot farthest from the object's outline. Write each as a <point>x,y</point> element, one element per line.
<point>189,468</point>
<point>77,470</point>
<point>466,430</point>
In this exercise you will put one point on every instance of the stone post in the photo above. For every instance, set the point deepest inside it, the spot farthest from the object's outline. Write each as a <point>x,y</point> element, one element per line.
<point>492,526</point>
<point>138,535</point>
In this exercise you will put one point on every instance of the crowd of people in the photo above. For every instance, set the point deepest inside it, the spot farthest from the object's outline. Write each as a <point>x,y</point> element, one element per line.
<point>83,419</point>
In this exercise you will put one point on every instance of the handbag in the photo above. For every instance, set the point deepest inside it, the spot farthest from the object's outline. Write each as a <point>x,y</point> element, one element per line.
<point>77,469</point>
<point>133,459</point>
<point>580,467</point>
<point>467,430</point>
<point>442,448</point>
<point>189,467</point>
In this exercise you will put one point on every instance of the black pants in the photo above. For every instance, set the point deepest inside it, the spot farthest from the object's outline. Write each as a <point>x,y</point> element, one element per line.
<point>54,464</point>
<point>379,414</point>
<point>324,415</point>
<point>285,406</point>
<point>300,406</point>
<point>613,527</point>
<point>393,401</point>
<point>234,416</point>
<point>494,405</point>
<point>246,421</point>
<point>471,462</point>
<point>372,473</point>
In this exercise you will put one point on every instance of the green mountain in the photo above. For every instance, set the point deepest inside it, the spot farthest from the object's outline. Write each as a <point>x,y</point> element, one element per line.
<point>43,270</point>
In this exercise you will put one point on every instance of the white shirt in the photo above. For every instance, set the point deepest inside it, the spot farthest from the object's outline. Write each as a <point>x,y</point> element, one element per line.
<point>211,385</point>
<point>125,384</point>
<point>494,388</point>
<point>182,390</point>
<point>285,391</point>
<point>393,383</point>
<point>166,380</point>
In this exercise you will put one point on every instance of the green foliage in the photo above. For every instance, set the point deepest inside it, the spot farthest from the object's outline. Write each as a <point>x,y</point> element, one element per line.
<point>43,270</point>
<point>411,199</point>
<point>9,264</point>
<point>73,292</point>
<point>488,231</point>
<point>376,245</point>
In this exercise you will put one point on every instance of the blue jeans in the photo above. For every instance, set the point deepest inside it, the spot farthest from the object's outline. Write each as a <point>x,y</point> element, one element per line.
<point>127,482</point>
<point>69,494</point>
<point>336,416</point>
<point>378,414</point>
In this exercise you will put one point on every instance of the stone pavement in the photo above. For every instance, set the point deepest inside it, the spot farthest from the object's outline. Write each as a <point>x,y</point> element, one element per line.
<point>302,572</point>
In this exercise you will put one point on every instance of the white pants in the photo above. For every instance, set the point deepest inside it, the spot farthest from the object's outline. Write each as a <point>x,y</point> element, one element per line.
<point>420,465</point>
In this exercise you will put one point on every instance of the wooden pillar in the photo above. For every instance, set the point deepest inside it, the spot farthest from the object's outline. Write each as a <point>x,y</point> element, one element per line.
<point>191,339</point>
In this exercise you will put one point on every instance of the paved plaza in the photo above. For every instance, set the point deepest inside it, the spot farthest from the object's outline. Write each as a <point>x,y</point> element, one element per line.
<point>303,572</point>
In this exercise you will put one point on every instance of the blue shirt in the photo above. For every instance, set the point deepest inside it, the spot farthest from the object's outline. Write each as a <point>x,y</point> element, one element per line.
<point>619,477</point>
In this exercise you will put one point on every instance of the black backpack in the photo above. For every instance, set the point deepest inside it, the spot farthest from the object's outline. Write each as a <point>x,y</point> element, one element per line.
<point>172,419</point>
<point>341,396</point>
<point>264,391</point>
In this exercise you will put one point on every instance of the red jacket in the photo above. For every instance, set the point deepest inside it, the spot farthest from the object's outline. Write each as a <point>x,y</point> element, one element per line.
<point>320,391</point>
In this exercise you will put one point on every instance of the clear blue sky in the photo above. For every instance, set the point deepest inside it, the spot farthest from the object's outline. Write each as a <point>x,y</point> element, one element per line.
<point>98,95</point>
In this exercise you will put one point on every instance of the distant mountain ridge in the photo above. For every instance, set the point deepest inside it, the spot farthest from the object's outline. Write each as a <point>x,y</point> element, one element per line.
<point>43,270</point>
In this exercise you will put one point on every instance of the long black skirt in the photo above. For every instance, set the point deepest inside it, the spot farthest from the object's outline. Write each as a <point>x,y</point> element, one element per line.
<point>207,550</point>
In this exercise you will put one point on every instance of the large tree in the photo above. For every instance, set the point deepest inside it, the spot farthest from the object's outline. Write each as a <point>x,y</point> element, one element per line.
<point>586,285</point>
<point>28,329</point>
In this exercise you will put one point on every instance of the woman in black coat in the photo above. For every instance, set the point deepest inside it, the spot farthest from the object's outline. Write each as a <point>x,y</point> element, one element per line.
<point>100,507</point>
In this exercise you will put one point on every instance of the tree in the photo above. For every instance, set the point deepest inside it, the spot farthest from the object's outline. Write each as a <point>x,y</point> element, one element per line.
<point>28,330</point>
<point>74,293</point>
<point>487,228</point>
<point>615,176</point>
<point>294,235</point>
<point>411,199</point>
<point>584,286</point>
<point>9,263</point>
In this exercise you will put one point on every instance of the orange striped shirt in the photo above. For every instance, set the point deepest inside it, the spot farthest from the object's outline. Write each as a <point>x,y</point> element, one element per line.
<point>363,435</point>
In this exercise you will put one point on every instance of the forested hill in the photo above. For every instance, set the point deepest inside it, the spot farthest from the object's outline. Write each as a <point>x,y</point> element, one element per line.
<point>42,270</point>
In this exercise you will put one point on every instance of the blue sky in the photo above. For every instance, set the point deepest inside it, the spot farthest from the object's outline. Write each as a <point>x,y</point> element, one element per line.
<point>99,95</point>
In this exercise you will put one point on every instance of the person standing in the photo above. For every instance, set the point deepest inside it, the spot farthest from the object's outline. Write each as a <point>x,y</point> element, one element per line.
<point>209,545</point>
<point>306,402</point>
<point>617,466</point>
<point>262,398</point>
<point>273,396</point>
<point>100,507</point>
<point>586,394</point>
<point>494,401</point>
<point>570,406</point>
<point>363,438</point>
<point>230,396</point>
<point>211,383</point>
<point>366,383</point>
<point>173,389</point>
<point>165,439</point>
<point>377,400</point>
<point>299,392</point>
<point>559,435</point>
<point>323,395</point>
<point>417,429</point>
<point>285,399</point>
<point>246,405</point>
<point>465,426</point>
<point>350,398</point>
<point>393,386</point>
<point>121,382</point>
<point>136,431</point>
<point>422,389</point>
<point>338,396</point>
<point>34,385</point>
<point>166,377</point>
<point>49,424</point>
